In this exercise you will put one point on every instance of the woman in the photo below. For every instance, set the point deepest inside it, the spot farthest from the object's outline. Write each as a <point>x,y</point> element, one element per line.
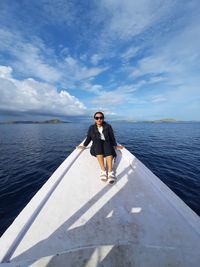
<point>104,145</point>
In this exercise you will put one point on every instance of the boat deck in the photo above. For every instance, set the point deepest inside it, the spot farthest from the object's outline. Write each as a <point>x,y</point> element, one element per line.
<point>77,220</point>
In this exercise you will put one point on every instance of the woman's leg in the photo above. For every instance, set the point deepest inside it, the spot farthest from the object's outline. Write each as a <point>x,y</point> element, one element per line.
<point>109,152</point>
<point>101,161</point>
<point>99,152</point>
<point>109,160</point>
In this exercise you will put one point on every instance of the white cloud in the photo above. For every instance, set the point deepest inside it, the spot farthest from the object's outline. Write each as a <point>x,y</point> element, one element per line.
<point>155,64</point>
<point>120,95</point>
<point>36,60</point>
<point>157,79</point>
<point>47,12</point>
<point>178,58</point>
<point>158,98</point>
<point>95,59</point>
<point>71,61</point>
<point>126,19</point>
<point>29,95</point>
<point>5,72</point>
<point>129,53</point>
<point>108,98</point>
<point>127,88</point>
<point>76,71</point>
<point>29,58</point>
<point>58,12</point>
<point>92,88</point>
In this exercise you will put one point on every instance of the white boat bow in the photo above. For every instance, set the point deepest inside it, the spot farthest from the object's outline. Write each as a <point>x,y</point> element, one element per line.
<point>75,219</point>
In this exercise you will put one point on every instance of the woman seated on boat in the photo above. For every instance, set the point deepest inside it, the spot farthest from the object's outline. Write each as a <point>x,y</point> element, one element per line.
<point>104,145</point>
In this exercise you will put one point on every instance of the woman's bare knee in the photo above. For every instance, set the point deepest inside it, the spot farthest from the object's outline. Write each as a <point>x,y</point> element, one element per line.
<point>99,156</point>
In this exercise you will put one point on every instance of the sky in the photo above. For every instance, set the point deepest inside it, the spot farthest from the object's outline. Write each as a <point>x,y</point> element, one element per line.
<point>137,60</point>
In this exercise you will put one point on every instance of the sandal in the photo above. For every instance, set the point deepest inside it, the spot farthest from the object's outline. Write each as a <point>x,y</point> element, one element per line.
<point>111,177</point>
<point>103,176</point>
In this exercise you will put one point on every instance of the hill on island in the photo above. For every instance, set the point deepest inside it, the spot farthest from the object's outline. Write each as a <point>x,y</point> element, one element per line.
<point>52,121</point>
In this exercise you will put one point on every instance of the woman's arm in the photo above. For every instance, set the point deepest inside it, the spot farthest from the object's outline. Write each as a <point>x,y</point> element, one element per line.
<point>112,136</point>
<point>113,141</point>
<point>88,139</point>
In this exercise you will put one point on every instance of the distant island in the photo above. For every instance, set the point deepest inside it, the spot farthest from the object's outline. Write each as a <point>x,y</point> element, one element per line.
<point>167,120</point>
<point>163,120</point>
<point>57,121</point>
<point>53,121</point>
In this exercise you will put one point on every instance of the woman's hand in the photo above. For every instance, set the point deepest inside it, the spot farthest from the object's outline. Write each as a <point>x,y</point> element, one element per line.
<point>119,147</point>
<point>81,147</point>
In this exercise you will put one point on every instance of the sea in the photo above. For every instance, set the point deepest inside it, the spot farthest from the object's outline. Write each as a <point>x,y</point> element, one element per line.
<point>30,153</point>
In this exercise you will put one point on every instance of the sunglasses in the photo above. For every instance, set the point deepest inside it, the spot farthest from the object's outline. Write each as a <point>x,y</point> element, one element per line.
<point>98,118</point>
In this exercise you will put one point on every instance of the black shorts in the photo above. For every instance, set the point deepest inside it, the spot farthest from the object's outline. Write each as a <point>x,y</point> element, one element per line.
<point>102,147</point>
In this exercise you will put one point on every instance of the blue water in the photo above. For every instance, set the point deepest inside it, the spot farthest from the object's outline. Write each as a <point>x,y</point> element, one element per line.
<point>30,153</point>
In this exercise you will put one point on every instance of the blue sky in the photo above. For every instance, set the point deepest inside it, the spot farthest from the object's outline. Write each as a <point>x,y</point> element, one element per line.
<point>130,59</point>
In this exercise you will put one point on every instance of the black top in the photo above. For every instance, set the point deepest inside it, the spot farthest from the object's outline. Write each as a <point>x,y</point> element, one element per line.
<point>93,134</point>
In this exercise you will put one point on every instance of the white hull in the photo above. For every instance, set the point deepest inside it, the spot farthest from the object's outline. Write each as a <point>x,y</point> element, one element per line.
<point>77,220</point>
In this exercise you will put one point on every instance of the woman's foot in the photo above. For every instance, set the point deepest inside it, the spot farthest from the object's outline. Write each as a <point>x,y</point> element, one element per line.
<point>103,176</point>
<point>111,177</point>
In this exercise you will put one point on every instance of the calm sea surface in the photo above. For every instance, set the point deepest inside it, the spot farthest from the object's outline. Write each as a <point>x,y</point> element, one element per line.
<point>30,153</point>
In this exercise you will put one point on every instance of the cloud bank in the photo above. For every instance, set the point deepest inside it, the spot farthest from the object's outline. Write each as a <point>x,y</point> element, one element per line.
<point>29,95</point>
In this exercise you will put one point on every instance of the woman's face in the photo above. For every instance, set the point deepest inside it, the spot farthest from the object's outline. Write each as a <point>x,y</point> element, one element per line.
<point>98,118</point>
